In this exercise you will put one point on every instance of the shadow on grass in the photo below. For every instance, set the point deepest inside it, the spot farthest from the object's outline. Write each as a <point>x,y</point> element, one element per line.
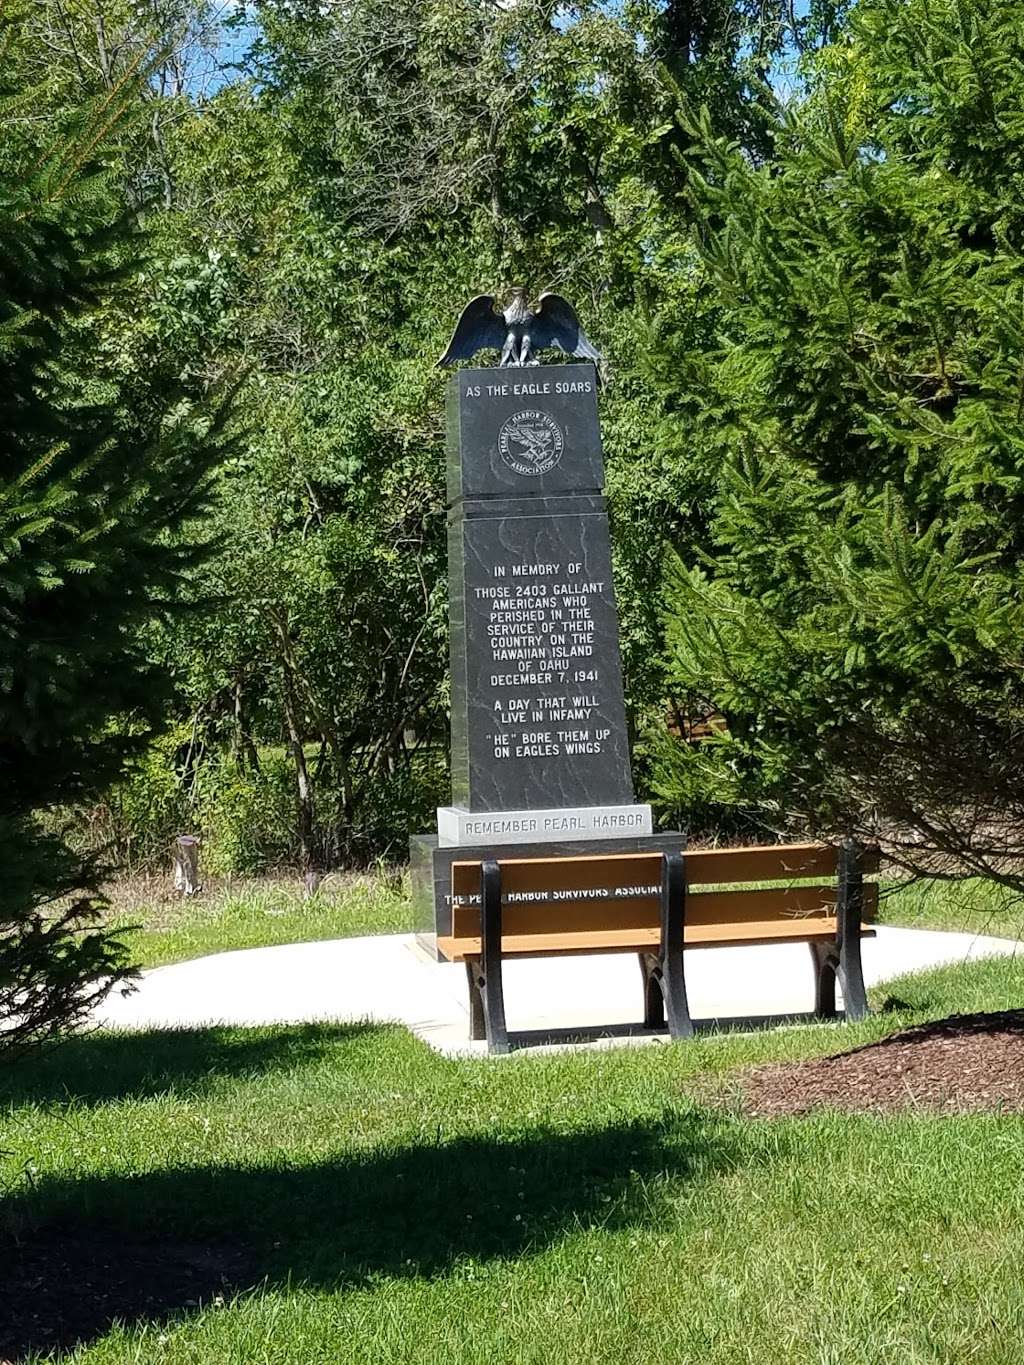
<point>98,1068</point>
<point>152,1247</point>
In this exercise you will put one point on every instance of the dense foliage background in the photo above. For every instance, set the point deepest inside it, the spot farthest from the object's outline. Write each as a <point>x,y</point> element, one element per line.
<point>799,242</point>
<point>314,217</point>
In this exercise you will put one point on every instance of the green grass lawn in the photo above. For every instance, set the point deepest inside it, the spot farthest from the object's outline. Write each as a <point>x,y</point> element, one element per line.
<point>970,906</point>
<point>255,913</point>
<point>389,1205</point>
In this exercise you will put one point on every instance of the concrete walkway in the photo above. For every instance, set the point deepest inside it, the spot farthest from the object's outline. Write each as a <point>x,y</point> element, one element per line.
<point>388,978</point>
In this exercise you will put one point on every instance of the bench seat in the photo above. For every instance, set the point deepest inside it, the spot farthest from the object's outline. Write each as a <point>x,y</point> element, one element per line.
<point>661,905</point>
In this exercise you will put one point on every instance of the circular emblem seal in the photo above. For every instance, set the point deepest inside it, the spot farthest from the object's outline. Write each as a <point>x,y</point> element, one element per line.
<point>530,442</point>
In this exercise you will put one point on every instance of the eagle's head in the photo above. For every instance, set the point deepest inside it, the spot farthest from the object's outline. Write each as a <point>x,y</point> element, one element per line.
<point>518,309</point>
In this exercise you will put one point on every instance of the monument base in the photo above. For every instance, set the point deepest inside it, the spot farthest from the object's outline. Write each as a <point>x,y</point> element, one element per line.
<point>458,827</point>
<point>431,870</point>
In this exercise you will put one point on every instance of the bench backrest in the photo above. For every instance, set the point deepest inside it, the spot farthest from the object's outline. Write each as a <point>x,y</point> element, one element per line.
<point>622,890</point>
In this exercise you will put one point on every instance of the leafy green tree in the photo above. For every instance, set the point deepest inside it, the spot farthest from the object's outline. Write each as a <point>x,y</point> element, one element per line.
<point>464,146</point>
<point>335,279</point>
<point>316,222</point>
<point>856,616</point>
<point>102,457</point>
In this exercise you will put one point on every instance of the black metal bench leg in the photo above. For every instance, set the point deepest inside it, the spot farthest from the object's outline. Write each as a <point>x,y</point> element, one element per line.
<point>849,911</point>
<point>475,978</point>
<point>671,975</point>
<point>825,962</point>
<point>492,990</point>
<point>654,1001</point>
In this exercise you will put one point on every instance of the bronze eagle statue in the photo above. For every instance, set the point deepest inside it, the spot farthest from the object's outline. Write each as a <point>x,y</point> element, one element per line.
<point>518,332</point>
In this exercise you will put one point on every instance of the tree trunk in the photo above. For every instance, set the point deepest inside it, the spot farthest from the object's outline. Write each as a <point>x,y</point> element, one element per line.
<point>305,810</point>
<point>247,760</point>
<point>303,785</point>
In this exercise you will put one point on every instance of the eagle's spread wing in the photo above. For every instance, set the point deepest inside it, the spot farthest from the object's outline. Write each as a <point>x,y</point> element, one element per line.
<point>556,324</point>
<point>479,327</point>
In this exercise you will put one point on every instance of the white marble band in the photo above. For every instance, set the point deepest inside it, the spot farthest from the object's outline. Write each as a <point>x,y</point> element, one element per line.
<point>456,827</point>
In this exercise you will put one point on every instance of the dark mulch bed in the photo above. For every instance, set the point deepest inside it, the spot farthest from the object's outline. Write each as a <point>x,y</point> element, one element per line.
<point>968,1063</point>
<point>59,1288</point>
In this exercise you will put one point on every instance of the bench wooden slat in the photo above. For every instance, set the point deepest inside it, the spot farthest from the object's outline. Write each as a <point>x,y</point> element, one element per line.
<point>770,863</point>
<point>704,867</point>
<point>579,917</point>
<point>781,862</point>
<point>795,902</point>
<point>644,940</point>
<point>799,904</point>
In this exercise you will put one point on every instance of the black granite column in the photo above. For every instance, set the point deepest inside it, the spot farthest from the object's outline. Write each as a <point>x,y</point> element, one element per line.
<point>540,755</point>
<point>538,719</point>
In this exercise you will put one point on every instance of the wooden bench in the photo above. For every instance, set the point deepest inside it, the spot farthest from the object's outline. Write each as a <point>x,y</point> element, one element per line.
<point>658,905</point>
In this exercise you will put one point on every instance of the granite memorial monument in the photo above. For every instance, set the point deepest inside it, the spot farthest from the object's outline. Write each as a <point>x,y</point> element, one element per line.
<point>540,749</point>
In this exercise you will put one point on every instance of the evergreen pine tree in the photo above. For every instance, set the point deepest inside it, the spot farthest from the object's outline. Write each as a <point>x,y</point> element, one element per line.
<point>103,469</point>
<point>857,617</point>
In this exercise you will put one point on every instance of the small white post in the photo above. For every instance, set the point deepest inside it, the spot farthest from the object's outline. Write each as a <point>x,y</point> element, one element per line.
<point>186,864</point>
